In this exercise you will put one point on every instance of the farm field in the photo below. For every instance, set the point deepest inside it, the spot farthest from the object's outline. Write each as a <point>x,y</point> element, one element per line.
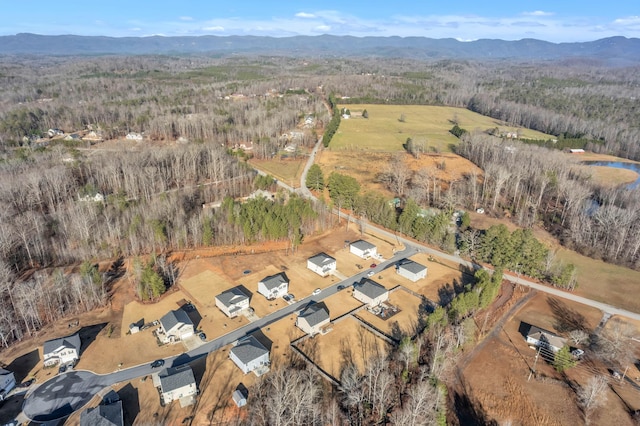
<point>365,166</point>
<point>497,373</point>
<point>287,170</point>
<point>384,131</point>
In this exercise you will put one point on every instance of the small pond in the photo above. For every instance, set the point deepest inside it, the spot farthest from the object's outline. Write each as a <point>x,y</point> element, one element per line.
<point>619,165</point>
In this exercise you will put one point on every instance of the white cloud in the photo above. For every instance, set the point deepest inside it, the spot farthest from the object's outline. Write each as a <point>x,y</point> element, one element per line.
<point>628,20</point>
<point>186,18</point>
<point>538,13</point>
<point>305,15</point>
<point>323,28</point>
<point>214,28</point>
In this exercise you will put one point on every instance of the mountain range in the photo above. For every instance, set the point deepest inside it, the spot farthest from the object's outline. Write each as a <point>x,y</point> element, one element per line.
<point>612,50</point>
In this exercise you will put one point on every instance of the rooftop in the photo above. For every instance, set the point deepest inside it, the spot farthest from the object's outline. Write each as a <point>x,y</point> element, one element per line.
<point>363,245</point>
<point>173,318</point>
<point>274,281</point>
<point>411,266</point>
<point>71,342</point>
<point>249,349</point>
<point>103,415</point>
<point>176,378</point>
<point>321,259</point>
<point>315,313</point>
<point>370,288</point>
<point>232,296</point>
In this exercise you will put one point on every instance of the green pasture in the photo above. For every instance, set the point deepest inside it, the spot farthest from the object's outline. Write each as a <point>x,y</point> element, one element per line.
<point>389,126</point>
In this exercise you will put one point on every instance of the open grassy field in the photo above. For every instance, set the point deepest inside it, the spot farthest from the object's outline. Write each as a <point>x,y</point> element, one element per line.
<point>384,131</point>
<point>288,170</point>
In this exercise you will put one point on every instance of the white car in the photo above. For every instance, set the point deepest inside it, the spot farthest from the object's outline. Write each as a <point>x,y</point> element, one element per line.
<point>316,292</point>
<point>371,273</point>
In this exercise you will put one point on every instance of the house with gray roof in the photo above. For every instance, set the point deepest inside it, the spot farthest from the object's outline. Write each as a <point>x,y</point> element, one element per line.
<point>370,292</point>
<point>322,264</point>
<point>363,249</point>
<point>232,302</point>
<point>7,383</point>
<point>545,339</point>
<point>175,326</point>
<point>411,270</point>
<point>250,355</point>
<point>274,286</point>
<point>103,415</point>
<point>63,351</point>
<point>313,318</point>
<point>177,383</point>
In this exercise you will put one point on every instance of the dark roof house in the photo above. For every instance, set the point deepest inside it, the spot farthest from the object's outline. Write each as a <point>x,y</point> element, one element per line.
<point>103,415</point>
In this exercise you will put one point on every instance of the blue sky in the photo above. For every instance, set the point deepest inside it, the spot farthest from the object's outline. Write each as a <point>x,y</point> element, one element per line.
<point>556,21</point>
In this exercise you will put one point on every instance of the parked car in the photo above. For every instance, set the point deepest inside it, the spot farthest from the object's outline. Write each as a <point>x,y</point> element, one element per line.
<point>157,363</point>
<point>370,274</point>
<point>373,265</point>
<point>316,291</point>
<point>27,383</point>
<point>341,287</point>
<point>62,368</point>
<point>202,336</point>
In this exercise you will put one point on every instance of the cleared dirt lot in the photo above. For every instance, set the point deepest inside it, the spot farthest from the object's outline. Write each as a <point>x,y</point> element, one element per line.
<point>497,373</point>
<point>406,318</point>
<point>348,341</point>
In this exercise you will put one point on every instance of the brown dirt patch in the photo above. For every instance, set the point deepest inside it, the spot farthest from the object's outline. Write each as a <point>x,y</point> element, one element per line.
<point>364,166</point>
<point>406,319</point>
<point>347,341</point>
<point>497,374</point>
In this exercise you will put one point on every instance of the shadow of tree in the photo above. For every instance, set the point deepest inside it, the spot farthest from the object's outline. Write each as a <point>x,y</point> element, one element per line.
<point>469,412</point>
<point>566,318</point>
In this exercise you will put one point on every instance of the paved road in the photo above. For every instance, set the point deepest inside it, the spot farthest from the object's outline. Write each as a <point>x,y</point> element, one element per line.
<point>63,394</point>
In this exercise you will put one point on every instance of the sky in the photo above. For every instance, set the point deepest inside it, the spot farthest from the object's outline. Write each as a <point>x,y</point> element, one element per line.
<point>465,20</point>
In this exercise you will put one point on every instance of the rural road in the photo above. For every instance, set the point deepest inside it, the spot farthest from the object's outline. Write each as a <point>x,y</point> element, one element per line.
<point>63,394</point>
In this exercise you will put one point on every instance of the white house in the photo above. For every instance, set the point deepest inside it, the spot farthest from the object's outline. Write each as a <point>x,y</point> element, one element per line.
<point>134,136</point>
<point>545,339</point>
<point>370,292</point>
<point>63,351</point>
<point>178,383</point>
<point>175,326</point>
<point>7,382</point>
<point>274,286</point>
<point>313,318</point>
<point>363,248</point>
<point>232,302</point>
<point>322,264</point>
<point>250,355</point>
<point>411,270</point>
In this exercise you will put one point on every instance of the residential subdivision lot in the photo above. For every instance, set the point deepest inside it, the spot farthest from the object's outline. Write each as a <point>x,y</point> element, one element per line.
<point>497,373</point>
<point>341,303</point>
<point>405,320</point>
<point>443,278</point>
<point>348,341</point>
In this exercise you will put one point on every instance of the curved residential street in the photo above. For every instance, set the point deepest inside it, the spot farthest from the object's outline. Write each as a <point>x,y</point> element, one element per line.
<point>63,394</point>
